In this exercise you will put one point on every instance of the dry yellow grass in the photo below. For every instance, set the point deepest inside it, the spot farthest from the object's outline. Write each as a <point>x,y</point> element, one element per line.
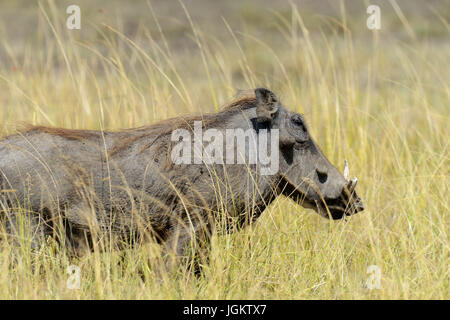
<point>379,99</point>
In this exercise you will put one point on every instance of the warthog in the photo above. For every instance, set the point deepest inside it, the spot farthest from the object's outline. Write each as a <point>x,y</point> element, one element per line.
<point>126,183</point>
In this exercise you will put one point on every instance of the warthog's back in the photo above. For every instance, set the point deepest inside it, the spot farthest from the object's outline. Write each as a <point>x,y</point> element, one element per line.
<point>62,169</point>
<point>41,165</point>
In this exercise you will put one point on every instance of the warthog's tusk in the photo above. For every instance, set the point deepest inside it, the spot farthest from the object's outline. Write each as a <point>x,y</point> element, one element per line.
<point>346,170</point>
<point>352,184</point>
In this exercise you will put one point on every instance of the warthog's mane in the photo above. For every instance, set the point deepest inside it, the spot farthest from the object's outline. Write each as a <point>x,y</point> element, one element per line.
<point>153,131</point>
<point>165,127</point>
<point>208,119</point>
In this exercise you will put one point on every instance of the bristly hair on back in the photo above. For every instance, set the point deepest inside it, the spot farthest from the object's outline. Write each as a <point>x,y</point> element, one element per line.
<point>162,128</point>
<point>71,134</point>
<point>241,103</point>
<point>187,122</point>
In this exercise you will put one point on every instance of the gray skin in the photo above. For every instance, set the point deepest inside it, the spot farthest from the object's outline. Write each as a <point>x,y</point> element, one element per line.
<point>82,183</point>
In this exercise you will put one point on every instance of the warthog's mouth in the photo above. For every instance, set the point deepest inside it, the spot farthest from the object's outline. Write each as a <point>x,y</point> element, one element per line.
<point>348,203</point>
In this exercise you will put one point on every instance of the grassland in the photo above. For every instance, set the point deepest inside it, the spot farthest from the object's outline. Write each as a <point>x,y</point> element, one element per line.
<point>380,99</point>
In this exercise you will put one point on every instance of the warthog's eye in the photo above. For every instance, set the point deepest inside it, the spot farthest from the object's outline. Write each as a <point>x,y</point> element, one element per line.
<point>298,121</point>
<point>301,144</point>
<point>299,131</point>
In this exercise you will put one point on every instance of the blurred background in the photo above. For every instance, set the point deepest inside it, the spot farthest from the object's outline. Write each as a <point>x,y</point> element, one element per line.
<point>220,46</point>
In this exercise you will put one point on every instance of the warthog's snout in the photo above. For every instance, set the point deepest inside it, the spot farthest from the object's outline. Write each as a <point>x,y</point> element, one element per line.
<point>326,191</point>
<point>348,203</point>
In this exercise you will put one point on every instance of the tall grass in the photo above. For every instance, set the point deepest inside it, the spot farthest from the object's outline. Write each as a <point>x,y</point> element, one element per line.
<point>378,100</point>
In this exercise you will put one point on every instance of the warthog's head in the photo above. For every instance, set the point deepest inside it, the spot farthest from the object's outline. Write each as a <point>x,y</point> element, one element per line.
<point>306,174</point>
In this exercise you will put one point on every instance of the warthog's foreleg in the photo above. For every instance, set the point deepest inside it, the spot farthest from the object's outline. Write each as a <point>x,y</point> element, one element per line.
<point>188,245</point>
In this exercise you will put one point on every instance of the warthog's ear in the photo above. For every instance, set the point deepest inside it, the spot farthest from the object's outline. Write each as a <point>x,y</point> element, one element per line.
<point>266,104</point>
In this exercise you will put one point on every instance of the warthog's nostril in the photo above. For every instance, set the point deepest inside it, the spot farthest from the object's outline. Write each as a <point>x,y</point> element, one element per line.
<point>323,176</point>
